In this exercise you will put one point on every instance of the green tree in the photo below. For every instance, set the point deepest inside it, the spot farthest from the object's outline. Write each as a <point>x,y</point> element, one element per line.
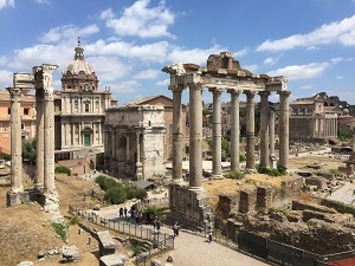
<point>29,151</point>
<point>115,195</point>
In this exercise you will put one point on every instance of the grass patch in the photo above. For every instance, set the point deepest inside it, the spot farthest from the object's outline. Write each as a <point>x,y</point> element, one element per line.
<point>61,230</point>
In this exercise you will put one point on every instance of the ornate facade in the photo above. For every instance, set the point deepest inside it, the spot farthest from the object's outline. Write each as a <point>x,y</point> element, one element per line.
<point>81,106</point>
<point>135,141</point>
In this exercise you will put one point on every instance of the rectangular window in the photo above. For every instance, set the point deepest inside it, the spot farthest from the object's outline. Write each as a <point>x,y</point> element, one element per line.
<point>26,111</point>
<point>9,111</point>
<point>23,126</point>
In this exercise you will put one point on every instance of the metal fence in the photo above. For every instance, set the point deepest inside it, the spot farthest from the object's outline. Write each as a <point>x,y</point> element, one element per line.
<point>283,254</point>
<point>161,242</point>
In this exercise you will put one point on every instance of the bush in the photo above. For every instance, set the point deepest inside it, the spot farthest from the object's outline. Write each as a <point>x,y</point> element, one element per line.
<point>262,169</point>
<point>242,158</point>
<point>61,230</point>
<point>5,156</point>
<point>115,195</point>
<point>105,182</point>
<point>235,175</point>
<point>63,170</point>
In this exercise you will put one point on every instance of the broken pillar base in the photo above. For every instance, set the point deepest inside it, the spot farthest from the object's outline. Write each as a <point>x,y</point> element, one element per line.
<point>217,177</point>
<point>50,202</point>
<point>15,198</point>
<point>190,206</point>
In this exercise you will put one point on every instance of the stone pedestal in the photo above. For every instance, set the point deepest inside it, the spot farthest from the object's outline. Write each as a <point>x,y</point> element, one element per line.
<point>190,207</point>
<point>13,198</point>
<point>50,201</point>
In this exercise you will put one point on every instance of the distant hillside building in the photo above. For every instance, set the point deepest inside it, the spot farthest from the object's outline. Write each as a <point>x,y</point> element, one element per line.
<point>80,106</point>
<point>311,121</point>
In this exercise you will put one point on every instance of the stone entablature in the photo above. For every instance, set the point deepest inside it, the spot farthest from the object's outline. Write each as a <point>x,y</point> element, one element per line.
<point>135,141</point>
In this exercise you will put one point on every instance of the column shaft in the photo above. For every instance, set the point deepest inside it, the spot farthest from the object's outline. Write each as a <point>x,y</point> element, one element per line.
<point>177,135</point>
<point>250,128</point>
<point>217,134</point>
<point>235,150</point>
<point>195,114</point>
<point>284,128</point>
<point>16,142</point>
<point>49,184</point>
<point>39,179</point>
<point>272,132</point>
<point>264,128</point>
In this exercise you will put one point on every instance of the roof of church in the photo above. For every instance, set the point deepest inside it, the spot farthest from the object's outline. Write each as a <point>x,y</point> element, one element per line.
<point>79,64</point>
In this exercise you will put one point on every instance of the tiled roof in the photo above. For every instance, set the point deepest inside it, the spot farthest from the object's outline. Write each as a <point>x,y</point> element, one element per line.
<point>5,96</point>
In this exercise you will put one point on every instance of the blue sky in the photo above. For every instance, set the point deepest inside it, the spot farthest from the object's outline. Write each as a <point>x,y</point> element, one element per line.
<point>129,42</point>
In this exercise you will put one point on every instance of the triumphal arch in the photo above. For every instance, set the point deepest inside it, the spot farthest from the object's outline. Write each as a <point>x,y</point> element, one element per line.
<point>44,185</point>
<point>222,74</point>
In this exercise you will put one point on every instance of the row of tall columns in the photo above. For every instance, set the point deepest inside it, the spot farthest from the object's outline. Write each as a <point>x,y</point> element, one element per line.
<point>267,132</point>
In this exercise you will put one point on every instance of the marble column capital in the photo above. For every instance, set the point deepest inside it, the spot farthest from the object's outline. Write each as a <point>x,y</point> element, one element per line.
<point>15,93</point>
<point>177,88</point>
<point>196,86</point>
<point>235,91</point>
<point>284,93</point>
<point>264,93</point>
<point>250,94</point>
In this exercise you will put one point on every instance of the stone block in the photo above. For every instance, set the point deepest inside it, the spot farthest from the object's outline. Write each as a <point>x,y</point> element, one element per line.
<point>13,198</point>
<point>107,245</point>
<point>247,201</point>
<point>26,263</point>
<point>112,260</point>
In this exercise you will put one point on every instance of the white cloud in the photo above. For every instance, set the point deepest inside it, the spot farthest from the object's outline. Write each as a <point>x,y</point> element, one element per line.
<point>252,68</point>
<point>107,14</point>
<point>7,3</point>
<point>141,20</point>
<point>306,87</point>
<point>43,1</point>
<point>340,59</point>
<point>155,52</point>
<point>67,33</point>
<point>339,77</point>
<point>5,78</point>
<point>109,68</point>
<point>147,74</point>
<point>129,86</point>
<point>335,32</point>
<point>196,56</point>
<point>301,71</point>
<point>164,82</point>
<point>241,53</point>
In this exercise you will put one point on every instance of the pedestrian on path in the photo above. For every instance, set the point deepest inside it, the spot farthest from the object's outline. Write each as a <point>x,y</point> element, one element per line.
<point>176,228</point>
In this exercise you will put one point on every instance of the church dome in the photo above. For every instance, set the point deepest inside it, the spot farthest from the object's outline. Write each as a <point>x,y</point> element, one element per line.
<point>79,65</point>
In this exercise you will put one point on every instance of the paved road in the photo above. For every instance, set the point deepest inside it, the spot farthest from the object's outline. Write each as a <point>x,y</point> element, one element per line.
<point>193,250</point>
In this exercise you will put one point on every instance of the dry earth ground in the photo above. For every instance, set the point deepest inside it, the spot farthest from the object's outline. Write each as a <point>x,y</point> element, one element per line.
<point>25,229</point>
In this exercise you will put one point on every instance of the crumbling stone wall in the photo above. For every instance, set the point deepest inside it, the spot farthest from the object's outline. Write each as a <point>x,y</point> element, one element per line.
<point>247,201</point>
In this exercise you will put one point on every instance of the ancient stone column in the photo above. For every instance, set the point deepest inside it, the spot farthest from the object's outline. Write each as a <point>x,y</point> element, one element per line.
<point>284,128</point>
<point>272,132</point>
<point>49,183</point>
<point>250,128</point>
<point>177,134</point>
<point>195,116</point>
<point>235,150</point>
<point>139,165</point>
<point>264,128</point>
<point>39,179</point>
<point>16,142</point>
<point>217,134</point>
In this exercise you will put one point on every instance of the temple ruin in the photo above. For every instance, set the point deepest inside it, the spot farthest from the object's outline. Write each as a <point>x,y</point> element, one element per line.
<point>44,183</point>
<point>222,74</point>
